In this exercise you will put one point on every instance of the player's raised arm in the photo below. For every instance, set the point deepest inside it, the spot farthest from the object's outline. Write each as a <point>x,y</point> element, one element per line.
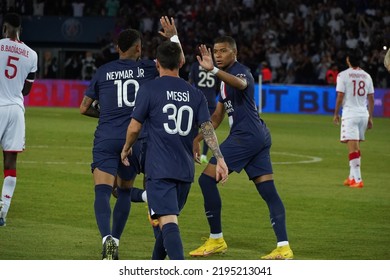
<point>170,32</point>
<point>205,59</point>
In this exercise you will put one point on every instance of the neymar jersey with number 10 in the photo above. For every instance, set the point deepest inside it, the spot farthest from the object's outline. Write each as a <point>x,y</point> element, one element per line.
<point>116,86</point>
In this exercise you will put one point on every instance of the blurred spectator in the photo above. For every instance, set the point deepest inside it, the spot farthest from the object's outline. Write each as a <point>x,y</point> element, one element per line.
<point>322,69</point>
<point>38,7</point>
<point>78,8</point>
<point>112,7</point>
<point>266,73</point>
<point>331,74</point>
<point>73,67</point>
<point>88,66</point>
<point>50,66</point>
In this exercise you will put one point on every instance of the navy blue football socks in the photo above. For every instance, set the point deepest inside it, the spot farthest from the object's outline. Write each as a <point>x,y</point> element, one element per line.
<point>268,192</point>
<point>121,212</point>
<point>172,241</point>
<point>102,208</point>
<point>159,252</point>
<point>212,202</point>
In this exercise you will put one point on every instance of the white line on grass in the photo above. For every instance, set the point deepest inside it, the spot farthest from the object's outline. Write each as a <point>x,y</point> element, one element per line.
<point>308,159</point>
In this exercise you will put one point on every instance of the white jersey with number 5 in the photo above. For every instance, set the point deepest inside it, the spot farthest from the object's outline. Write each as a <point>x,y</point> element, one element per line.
<point>17,61</point>
<point>356,84</point>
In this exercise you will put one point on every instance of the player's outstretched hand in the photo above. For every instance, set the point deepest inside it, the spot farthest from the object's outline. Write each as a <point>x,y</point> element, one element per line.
<point>205,59</point>
<point>124,154</point>
<point>168,25</point>
<point>222,171</point>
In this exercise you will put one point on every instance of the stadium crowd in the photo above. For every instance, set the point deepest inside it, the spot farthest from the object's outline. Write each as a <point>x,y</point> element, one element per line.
<point>300,40</point>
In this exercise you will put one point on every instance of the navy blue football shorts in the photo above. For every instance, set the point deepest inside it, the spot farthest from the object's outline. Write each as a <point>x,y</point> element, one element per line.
<point>252,156</point>
<point>166,196</point>
<point>107,157</point>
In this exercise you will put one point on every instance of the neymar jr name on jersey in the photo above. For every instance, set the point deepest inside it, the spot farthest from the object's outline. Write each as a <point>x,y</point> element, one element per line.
<point>178,96</point>
<point>125,74</point>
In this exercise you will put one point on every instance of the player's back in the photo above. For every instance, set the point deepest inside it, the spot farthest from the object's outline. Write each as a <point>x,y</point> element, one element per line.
<point>174,109</point>
<point>17,60</point>
<point>355,83</point>
<point>116,85</point>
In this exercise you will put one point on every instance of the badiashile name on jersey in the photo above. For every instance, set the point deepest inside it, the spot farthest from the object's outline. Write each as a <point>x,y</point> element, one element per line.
<point>14,49</point>
<point>125,74</point>
<point>178,96</point>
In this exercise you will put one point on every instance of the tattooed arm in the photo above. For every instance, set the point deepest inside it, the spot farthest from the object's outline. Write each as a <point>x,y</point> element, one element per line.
<point>87,109</point>
<point>210,137</point>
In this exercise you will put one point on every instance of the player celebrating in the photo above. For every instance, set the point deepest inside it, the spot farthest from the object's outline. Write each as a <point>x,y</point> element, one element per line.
<point>172,108</point>
<point>207,83</point>
<point>116,85</point>
<point>354,87</point>
<point>18,66</point>
<point>247,147</point>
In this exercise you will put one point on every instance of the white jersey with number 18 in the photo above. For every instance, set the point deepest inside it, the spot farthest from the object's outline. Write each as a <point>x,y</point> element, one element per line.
<point>17,62</point>
<point>356,84</point>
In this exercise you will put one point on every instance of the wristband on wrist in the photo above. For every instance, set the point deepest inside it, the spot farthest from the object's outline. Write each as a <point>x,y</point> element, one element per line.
<point>215,70</point>
<point>175,39</point>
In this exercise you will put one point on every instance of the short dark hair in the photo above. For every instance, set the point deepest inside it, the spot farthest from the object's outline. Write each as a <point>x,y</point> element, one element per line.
<point>13,19</point>
<point>226,39</point>
<point>128,38</point>
<point>354,57</point>
<point>169,55</point>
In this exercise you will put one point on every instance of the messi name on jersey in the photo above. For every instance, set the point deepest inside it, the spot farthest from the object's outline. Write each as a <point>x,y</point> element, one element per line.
<point>125,74</point>
<point>178,96</point>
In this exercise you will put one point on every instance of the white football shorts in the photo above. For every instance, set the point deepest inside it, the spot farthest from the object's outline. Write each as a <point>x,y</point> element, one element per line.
<point>353,128</point>
<point>12,128</point>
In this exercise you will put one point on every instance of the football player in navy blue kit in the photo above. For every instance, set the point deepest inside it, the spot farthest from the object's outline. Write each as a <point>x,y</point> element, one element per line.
<point>207,83</point>
<point>115,85</point>
<point>246,147</point>
<point>173,110</point>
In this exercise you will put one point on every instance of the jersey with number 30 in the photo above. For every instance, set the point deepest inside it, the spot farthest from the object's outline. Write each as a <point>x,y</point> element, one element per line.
<point>173,109</point>
<point>356,84</point>
<point>18,63</point>
<point>116,85</point>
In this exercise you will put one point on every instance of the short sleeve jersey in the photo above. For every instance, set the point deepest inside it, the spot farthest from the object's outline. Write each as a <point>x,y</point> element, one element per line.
<point>240,105</point>
<point>356,84</point>
<point>18,63</point>
<point>116,86</point>
<point>205,81</point>
<point>174,110</point>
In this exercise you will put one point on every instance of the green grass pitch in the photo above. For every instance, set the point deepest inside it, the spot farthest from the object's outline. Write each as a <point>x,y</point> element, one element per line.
<point>52,218</point>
